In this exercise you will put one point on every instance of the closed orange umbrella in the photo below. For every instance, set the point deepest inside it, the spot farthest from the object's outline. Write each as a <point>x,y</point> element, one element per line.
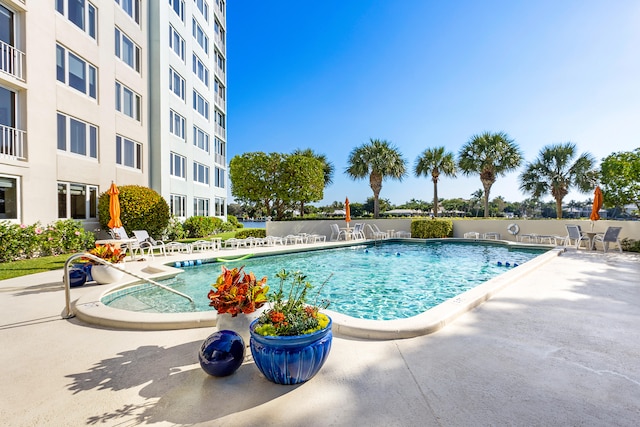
<point>597,204</point>
<point>347,210</point>
<point>114,207</point>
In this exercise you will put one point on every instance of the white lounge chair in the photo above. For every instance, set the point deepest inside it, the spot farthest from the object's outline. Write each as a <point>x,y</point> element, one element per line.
<point>376,234</point>
<point>149,243</point>
<point>336,233</point>
<point>609,236</point>
<point>120,233</point>
<point>358,232</point>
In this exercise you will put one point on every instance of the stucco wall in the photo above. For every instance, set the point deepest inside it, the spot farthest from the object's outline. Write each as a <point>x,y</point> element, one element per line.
<point>630,229</point>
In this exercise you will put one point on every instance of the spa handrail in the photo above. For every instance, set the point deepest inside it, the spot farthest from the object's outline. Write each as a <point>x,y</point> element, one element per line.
<point>67,281</point>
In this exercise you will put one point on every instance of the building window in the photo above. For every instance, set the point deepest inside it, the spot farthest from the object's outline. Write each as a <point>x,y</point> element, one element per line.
<point>219,177</point>
<point>9,192</point>
<point>82,13</point>
<point>200,139</point>
<point>220,121</point>
<point>177,124</point>
<point>178,205</point>
<point>127,101</point>
<point>200,206</point>
<point>178,8</point>
<point>177,84</point>
<point>220,4</point>
<point>219,32</point>
<point>200,36</point>
<point>76,72</point>
<point>219,206</point>
<point>178,167</point>
<point>203,7</point>
<point>200,173</point>
<point>128,153</point>
<point>78,137</point>
<point>127,50</point>
<point>200,104</point>
<point>176,42</point>
<point>221,151</point>
<point>220,90</point>
<point>77,201</point>
<point>220,61</point>
<point>200,70</point>
<point>131,8</point>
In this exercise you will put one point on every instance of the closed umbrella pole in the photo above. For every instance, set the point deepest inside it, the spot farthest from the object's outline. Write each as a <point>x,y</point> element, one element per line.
<point>597,205</point>
<point>347,210</point>
<point>114,206</point>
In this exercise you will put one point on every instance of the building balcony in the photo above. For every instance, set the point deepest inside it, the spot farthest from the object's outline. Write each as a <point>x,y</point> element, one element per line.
<point>220,159</point>
<point>12,143</point>
<point>11,60</point>
<point>221,132</point>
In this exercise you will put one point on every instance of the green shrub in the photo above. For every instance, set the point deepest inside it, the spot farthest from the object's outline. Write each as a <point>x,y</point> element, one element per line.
<point>228,226</point>
<point>630,245</point>
<point>174,230</point>
<point>431,228</point>
<point>29,241</point>
<point>231,219</point>
<point>202,226</point>
<point>251,232</point>
<point>141,208</point>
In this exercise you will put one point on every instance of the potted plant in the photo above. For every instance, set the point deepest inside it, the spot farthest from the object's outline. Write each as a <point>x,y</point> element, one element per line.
<point>237,297</point>
<point>291,340</point>
<point>102,273</point>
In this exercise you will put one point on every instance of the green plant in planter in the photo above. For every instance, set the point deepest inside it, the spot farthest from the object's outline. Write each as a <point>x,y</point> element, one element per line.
<point>289,313</point>
<point>108,253</point>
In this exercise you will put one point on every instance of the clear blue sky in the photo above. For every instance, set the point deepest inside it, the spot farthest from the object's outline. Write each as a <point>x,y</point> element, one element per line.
<point>329,75</point>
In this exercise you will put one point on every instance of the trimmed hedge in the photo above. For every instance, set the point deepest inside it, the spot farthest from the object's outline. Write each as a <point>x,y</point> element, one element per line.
<point>431,228</point>
<point>251,232</point>
<point>202,226</point>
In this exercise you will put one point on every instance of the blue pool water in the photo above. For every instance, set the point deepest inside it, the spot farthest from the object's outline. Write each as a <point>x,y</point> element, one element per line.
<point>390,280</point>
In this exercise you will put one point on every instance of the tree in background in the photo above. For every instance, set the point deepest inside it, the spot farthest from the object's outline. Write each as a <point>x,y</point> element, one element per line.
<point>620,178</point>
<point>490,155</point>
<point>377,159</point>
<point>369,205</point>
<point>556,170</point>
<point>327,169</point>
<point>275,182</point>
<point>433,162</point>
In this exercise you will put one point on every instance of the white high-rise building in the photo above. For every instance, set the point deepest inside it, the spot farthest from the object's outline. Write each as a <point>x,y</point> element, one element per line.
<point>128,91</point>
<point>187,115</point>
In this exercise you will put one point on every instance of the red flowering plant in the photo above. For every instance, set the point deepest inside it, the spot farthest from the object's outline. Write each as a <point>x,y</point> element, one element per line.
<point>289,313</point>
<point>107,252</point>
<point>237,292</point>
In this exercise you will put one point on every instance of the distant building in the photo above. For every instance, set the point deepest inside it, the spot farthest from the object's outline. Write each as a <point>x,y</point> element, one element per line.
<point>98,91</point>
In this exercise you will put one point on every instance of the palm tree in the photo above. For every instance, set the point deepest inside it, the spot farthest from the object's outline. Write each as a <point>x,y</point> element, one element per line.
<point>489,155</point>
<point>433,162</point>
<point>327,168</point>
<point>376,159</point>
<point>555,172</point>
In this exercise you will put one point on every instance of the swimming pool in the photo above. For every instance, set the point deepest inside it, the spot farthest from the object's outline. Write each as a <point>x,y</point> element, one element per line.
<point>383,281</point>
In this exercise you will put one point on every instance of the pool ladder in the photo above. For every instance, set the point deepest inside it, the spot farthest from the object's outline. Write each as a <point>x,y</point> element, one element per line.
<point>67,281</point>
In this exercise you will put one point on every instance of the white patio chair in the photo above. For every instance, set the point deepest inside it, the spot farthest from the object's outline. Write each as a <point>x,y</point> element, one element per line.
<point>377,234</point>
<point>609,236</point>
<point>149,243</point>
<point>358,232</point>
<point>120,233</point>
<point>336,233</point>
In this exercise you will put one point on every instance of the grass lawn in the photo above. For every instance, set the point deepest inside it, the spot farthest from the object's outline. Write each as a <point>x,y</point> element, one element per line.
<point>24,267</point>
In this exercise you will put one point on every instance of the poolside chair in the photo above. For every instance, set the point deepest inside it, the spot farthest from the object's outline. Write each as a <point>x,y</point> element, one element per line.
<point>609,236</point>
<point>380,232</point>
<point>336,233</point>
<point>358,232</point>
<point>376,234</point>
<point>149,243</point>
<point>120,233</point>
<point>575,234</point>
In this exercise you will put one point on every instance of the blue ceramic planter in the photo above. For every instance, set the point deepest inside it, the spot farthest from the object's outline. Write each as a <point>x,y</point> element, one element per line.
<point>290,360</point>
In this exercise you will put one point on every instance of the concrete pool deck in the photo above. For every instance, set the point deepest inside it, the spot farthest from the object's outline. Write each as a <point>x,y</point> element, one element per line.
<point>558,346</point>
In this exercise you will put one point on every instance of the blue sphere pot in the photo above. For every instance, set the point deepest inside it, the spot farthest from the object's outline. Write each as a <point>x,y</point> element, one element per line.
<point>290,359</point>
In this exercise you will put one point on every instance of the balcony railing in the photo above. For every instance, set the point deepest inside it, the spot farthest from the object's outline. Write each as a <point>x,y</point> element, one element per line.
<point>12,142</point>
<point>220,131</point>
<point>220,159</point>
<point>11,60</point>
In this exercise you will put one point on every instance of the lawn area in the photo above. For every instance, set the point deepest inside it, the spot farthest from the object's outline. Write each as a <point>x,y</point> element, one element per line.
<point>24,267</point>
